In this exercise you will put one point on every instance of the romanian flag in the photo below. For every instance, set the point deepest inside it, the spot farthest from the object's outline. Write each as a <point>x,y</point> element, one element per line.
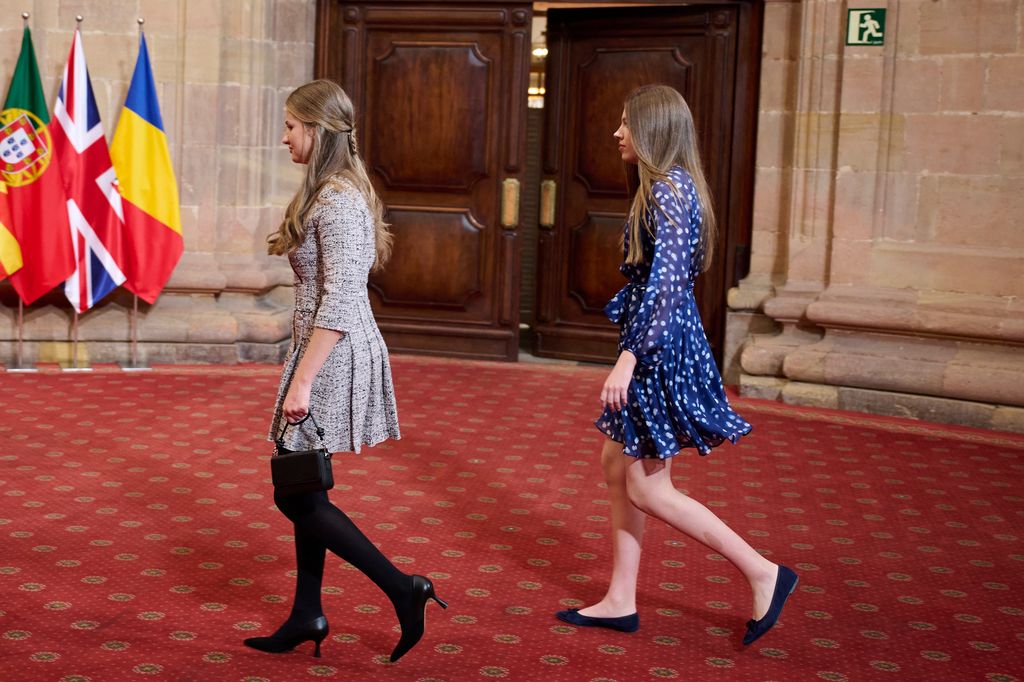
<point>152,241</point>
<point>10,252</point>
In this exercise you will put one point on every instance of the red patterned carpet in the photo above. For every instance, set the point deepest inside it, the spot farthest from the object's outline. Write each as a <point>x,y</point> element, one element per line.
<point>140,540</point>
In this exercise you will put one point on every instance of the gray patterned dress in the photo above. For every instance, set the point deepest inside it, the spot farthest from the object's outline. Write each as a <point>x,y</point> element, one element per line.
<point>352,397</point>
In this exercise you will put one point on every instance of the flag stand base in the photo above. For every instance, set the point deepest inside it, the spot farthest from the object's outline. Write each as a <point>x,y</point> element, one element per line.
<point>136,368</point>
<point>133,364</point>
<point>19,359</point>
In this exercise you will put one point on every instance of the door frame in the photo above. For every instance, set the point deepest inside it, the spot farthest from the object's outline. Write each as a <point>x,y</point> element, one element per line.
<point>745,110</point>
<point>738,212</point>
<point>431,327</point>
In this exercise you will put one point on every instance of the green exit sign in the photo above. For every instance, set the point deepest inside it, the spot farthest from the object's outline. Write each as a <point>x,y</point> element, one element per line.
<point>865,26</point>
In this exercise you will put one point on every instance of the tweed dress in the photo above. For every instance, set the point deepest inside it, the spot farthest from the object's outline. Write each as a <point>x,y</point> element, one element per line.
<point>675,399</point>
<point>352,397</point>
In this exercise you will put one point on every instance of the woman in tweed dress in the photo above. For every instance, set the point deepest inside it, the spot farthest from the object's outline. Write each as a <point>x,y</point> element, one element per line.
<point>334,233</point>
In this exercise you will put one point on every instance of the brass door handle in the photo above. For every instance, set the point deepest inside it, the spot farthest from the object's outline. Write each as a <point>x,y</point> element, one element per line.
<point>548,189</point>
<point>510,204</point>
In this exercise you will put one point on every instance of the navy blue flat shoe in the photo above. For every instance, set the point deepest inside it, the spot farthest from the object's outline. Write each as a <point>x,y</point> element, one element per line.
<point>785,583</point>
<point>630,623</point>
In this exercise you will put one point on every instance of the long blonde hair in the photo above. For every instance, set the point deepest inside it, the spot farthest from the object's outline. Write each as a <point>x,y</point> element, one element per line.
<point>323,107</point>
<point>661,127</point>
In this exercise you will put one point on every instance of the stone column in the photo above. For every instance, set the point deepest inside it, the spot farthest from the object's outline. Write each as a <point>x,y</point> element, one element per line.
<point>920,307</point>
<point>793,187</point>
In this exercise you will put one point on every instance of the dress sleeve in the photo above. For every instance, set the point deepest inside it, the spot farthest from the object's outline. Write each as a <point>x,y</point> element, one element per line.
<point>667,285</point>
<point>341,241</point>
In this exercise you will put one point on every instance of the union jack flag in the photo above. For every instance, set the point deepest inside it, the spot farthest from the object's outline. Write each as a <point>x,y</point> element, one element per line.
<point>94,203</point>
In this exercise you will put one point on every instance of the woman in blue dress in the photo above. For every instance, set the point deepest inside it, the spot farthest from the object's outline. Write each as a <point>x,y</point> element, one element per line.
<point>664,393</point>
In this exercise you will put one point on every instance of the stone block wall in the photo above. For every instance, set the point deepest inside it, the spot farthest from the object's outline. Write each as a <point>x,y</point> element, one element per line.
<point>886,247</point>
<point>886,264</point>
<point>223,69</point>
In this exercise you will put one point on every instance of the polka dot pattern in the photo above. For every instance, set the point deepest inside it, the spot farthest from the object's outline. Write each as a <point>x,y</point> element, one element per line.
<point>676,399</point>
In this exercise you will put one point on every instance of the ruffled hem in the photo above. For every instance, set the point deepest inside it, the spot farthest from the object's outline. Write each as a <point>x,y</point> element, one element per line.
<point>352,396</point>
<point>649,426</point>
<point>612,425</point>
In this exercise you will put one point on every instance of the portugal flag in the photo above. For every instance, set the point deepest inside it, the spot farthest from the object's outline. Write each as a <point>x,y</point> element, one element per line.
<point>10,250</point>
<point>152,241</point>
<point>35,193</point>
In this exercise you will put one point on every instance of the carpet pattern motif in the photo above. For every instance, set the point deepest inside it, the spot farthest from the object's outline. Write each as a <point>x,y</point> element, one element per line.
<point>140,539</point>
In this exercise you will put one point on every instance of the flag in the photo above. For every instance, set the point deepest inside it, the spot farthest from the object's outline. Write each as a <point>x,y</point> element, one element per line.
<point>35,193</point>
<point>94,205</point>
<point>10,251</point>
<point>152,241</point>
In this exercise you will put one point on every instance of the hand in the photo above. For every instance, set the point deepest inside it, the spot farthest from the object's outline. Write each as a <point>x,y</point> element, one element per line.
<point>296,403</point>
<point>616,387</point>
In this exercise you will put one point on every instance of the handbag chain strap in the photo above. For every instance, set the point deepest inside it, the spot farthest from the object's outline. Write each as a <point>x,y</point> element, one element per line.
<point>309,416</point>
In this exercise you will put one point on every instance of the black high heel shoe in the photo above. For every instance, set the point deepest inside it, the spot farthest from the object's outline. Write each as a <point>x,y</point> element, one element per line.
<point>412,617</point>
<point>289,636</point>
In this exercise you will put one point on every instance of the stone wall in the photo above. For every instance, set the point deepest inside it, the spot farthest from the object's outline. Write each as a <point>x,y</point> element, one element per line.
<point>223,69</point>
<point>887,259</point>
<point>886,266</point>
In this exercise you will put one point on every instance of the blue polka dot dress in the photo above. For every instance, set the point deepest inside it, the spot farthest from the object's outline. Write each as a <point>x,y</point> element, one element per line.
<point>675,399</point>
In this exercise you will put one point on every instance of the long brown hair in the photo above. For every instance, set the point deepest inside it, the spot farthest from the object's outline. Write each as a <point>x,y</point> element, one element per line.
<point>661,127</point>
<point>323,107</point>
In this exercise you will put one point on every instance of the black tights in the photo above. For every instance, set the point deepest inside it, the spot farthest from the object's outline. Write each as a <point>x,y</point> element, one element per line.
<point>320,526</point>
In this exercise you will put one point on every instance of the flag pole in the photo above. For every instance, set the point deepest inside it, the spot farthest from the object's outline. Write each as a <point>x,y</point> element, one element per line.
<point>134,326</point>
<point>19,356</point>
<point>21,333</point>
<point>74,320</point>
<point>135,297</point>
<point>133,318</point>
<point>74,348</point>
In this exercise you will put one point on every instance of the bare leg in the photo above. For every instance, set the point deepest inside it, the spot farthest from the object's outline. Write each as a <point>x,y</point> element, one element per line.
<point>649,485</point>
<point>627,537</point>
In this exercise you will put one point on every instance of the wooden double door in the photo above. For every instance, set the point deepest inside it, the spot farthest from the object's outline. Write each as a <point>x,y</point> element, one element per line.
<point>440,90</point>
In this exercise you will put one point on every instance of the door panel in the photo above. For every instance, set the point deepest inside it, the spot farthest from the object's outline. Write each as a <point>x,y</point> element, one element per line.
<point>595,58</point>
<point>404,157</point>
<point>439,240</point>
<point>440,99</point>
<point>599,78</point>
<point>588,260</point>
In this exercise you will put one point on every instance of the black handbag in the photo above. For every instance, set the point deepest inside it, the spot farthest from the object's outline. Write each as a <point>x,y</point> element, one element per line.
<point>301,471</point>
